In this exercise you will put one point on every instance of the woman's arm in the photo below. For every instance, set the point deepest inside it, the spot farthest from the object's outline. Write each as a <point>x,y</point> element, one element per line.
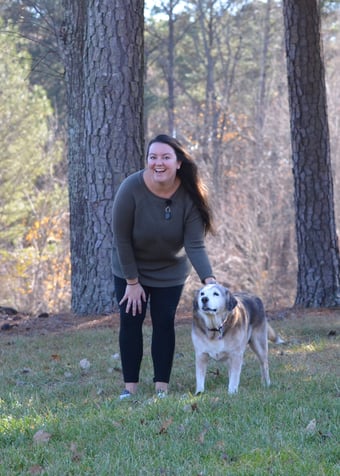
<point>123,222</point>
<point>195,247</point>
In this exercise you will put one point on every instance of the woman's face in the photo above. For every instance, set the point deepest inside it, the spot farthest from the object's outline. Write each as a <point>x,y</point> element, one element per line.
<point>162,162</point>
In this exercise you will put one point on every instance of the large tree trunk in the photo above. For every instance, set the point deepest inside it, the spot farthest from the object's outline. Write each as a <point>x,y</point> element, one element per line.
<point>71,47</point>
<point>317,245</point>
<point>103,51</point>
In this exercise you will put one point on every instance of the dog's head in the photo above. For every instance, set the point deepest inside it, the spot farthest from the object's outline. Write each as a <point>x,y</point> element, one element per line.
<point>214,299</point>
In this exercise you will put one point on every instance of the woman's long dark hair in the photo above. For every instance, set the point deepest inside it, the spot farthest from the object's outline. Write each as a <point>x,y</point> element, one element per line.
<point>188,173</point>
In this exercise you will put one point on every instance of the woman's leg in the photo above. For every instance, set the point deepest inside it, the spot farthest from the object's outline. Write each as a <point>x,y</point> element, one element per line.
<point>130,339</point>
<point>163,306</point>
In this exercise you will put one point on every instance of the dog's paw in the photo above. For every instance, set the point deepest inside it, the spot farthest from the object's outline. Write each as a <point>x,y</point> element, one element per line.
<point>232,391</point>
<point>278,340</point>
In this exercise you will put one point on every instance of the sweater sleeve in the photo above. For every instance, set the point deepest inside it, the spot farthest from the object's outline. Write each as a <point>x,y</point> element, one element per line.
<point>122,221</point>
<point>195,246</point>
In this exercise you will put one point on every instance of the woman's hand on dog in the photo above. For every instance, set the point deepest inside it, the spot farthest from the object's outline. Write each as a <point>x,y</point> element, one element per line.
<point>134,295</point>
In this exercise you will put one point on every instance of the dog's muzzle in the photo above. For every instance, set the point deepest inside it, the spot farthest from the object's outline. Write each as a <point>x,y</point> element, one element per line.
<point>205,307</point>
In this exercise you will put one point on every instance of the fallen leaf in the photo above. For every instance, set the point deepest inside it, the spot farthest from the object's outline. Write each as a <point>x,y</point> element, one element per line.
<point>310,428</point>
<point>76,455</point>
<point>42,436</point>
<point>117,424</point>
<point>202,436</point>
<point>165,426</point>
<point>84,364</point>
<point>36,469</point>
<point>55,357</point>
<point>325,435</point>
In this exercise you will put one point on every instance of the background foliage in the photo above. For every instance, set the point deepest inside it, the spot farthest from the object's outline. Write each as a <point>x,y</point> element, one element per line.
<point>33,192</point>
<point>217,79</point>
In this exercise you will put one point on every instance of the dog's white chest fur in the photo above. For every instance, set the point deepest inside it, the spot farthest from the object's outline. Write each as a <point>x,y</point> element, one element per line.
<point>216,348</point>
<point>218,354</point>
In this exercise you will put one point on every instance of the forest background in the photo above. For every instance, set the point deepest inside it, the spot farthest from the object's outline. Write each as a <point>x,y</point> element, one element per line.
<point>215,77</point>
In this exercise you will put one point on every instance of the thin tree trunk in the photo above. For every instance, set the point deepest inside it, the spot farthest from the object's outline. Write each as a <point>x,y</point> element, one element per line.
<point>171,70</point>
<point>261,100</point>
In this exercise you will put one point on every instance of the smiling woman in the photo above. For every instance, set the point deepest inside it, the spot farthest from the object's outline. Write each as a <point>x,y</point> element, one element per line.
<point>160,217</point>
<point>161,175</point>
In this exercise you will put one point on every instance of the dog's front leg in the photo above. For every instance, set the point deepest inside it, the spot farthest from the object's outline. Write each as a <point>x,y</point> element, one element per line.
<point>235,366</point>
<point>201,370</point>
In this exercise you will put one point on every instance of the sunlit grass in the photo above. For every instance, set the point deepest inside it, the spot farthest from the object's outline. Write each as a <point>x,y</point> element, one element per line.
<point>90,432</point>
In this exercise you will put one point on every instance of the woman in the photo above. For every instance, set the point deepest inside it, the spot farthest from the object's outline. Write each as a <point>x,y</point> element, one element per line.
<point>160,217</point>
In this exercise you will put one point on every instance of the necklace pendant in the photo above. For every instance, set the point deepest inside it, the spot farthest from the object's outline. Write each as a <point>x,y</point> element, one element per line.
<point>167,213</point>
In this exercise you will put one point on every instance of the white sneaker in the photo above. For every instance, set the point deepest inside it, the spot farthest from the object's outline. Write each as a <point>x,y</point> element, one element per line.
<point>125,394</point>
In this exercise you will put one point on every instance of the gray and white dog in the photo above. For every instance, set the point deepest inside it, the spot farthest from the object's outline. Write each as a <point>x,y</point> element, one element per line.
<point>223,325</point>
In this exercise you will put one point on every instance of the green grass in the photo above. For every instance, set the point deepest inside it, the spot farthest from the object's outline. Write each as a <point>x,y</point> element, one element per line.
<point>258,432</point>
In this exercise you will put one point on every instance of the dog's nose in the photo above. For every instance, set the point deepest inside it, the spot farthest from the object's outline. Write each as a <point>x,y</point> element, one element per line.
<point>205,299</point>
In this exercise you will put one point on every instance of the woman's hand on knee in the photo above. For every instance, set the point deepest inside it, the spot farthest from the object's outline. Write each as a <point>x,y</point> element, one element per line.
<point>134,296</point>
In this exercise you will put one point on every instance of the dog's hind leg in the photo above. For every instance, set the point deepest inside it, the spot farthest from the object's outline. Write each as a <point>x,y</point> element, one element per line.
<point>235,366</point>
<point>260,347</point>
<point>201,370</point>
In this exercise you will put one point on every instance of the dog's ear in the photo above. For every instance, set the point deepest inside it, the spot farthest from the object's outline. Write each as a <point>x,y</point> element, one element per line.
<point>231,301</point>
<point>195,302</point>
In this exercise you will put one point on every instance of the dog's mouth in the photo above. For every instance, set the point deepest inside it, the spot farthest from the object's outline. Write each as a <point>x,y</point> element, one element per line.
<point>206,308</point>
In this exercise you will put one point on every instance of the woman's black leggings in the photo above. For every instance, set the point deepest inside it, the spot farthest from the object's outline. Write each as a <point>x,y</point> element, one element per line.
<point>163,305</point>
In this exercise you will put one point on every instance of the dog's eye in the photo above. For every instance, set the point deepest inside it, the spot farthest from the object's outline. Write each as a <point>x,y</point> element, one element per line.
<point>216,294</point>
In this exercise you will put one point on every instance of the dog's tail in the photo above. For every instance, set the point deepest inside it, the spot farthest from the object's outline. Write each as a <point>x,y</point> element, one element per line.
<point>273,337</point>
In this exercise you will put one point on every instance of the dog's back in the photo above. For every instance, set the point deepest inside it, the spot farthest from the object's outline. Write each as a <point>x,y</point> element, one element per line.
<point>254,307</point>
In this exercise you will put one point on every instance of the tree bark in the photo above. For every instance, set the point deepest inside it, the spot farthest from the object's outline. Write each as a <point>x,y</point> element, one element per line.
<point>103,52</point>
<point>71,48</point>
<point>317,244</point>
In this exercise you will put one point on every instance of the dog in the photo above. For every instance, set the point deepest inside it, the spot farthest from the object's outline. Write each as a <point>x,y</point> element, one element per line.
<point>223,325</point>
